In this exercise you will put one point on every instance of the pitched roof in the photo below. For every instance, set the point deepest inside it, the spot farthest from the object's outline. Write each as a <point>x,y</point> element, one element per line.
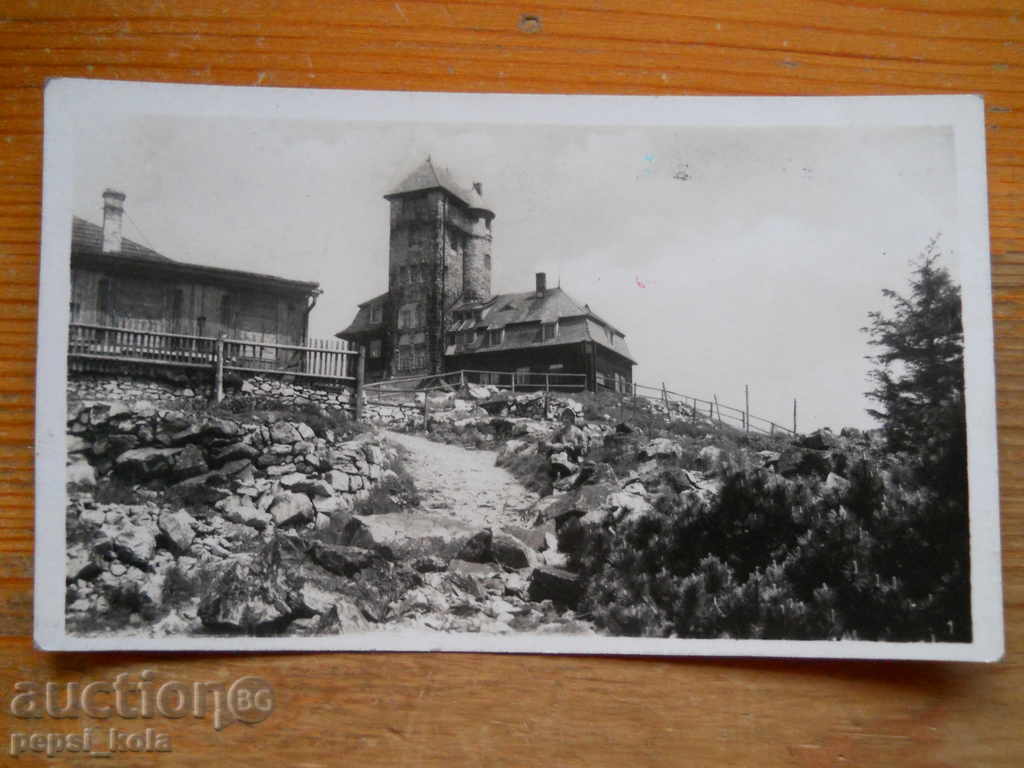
<point>361,323</point>
<point>429,176</point>
<point>87,242</point>
<point>509,310</point>
<point>87,237</point>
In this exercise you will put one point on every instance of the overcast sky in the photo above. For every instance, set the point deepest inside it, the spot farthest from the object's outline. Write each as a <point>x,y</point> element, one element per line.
<point>727,256</point>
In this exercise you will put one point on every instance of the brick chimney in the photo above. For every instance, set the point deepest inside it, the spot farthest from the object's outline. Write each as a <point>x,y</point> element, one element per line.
<point>113,211</point>
<point>542,283</point>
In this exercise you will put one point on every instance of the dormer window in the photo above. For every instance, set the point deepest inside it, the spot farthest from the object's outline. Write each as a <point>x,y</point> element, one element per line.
<point>377,313</point>
<point>548,331</point>
<point>494,338</point>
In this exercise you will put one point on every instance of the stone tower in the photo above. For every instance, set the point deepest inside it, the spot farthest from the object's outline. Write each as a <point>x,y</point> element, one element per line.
<point>439,250</point>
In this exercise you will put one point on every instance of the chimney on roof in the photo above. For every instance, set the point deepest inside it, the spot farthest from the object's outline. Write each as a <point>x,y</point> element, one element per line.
<point>542,283</point>
<point>479,187</point>
<point>113,211</point>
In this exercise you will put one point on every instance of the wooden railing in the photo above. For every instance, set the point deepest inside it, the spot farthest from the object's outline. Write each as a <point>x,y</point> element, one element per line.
<point>696,407</point>
<point>394,390</point>
<point>317,359</point>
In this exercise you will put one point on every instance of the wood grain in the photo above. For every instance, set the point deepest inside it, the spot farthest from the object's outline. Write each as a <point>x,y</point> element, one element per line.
<point>398,709</point>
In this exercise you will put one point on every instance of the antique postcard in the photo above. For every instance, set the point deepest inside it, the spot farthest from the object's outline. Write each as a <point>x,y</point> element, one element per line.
<point>327,370</point>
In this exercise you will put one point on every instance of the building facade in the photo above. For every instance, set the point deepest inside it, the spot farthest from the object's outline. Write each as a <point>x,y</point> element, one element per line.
<point>116,282</point>
<point>439,313</point>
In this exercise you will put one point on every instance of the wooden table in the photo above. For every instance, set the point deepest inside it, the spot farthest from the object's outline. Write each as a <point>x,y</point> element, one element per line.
<point>527,710</point>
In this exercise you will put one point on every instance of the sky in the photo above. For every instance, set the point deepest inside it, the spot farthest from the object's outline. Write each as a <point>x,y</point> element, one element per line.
<point>728,256</point>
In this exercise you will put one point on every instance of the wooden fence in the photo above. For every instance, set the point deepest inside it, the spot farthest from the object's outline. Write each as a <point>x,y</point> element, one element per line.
<point>318,359</point>
<point>391,391</point>
<point>713,410</point>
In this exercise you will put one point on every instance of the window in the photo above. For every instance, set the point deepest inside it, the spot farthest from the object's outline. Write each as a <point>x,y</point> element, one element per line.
<point>494,337</point>
<point>376,313</point>
<point>200,325</point>
<point>419,356</point>
<point>403,359</point>
<point>453,339</point>
<point>375,348</point>
<point>227,310</point>
<point>105,296</point>
<point>548,331</point>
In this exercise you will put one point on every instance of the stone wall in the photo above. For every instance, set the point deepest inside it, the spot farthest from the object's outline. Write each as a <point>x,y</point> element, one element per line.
<point>285,391</point>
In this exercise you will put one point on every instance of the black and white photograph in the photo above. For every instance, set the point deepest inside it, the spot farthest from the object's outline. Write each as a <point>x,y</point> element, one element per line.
<point>352,371</point>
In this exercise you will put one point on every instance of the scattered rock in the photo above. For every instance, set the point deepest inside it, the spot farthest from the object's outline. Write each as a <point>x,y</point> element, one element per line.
<point>177,530</point>
<point>555,584</point>
<point>289,508</point>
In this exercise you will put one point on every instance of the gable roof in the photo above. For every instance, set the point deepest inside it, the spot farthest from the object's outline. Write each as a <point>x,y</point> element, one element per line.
<point>509,310</point>
<point>428,176</point>
<point>361,323</point>
<point>87,243</point>
<point>87,238</point>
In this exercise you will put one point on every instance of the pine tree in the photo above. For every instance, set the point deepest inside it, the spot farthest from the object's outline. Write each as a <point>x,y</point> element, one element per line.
<point>919,373</point>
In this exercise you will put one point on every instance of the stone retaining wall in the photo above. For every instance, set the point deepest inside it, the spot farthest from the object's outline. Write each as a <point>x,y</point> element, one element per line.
<point>128,389</point>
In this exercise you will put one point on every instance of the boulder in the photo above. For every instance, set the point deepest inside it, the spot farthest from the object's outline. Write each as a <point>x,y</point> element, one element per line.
<point>118,443</point>
<point>177,530</point>
<point>146,463</point>
<point>247,598</point>
<point>80,472</point>
<point>819,440</point>
<point>561,465</point>
<point>429,564</point>
<point>188,462</point>
<point>305,432</point>
<point>478,548</point>
<point>133,543</point>
<point>511,552</point>
<point>339,480</point>
<point>220,429</point>
<point>289,508</point>
<point>710,456</point>
<point>560,586</point>
<point>341,618</point>
<point>282,432</point>
<point>81,564</point>
<point>342,560</point>
<point>312,486</point>
<point>661,447</point>
<point>75,444</point>
<point>232,452</point>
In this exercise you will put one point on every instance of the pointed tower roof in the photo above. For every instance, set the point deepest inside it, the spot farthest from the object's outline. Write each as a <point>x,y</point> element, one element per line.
<point>429,176</point>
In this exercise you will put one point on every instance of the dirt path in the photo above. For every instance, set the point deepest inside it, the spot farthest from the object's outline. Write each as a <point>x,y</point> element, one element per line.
<point>454,482</point>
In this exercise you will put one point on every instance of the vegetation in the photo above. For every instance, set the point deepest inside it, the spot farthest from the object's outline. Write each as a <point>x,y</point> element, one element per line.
<point>880,554</point>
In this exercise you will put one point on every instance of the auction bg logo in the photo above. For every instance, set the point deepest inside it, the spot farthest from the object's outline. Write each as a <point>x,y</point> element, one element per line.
<point>248,700</point>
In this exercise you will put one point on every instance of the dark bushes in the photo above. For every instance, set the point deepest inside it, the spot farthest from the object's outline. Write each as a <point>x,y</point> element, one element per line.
<point>779,558</point>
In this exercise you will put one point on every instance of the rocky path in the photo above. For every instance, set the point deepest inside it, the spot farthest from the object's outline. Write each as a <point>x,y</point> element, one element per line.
<point>466,485</point>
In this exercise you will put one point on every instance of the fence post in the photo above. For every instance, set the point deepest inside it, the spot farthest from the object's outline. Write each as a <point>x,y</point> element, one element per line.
<point>746,407</point>
<point>218,371</point>
<point>360,381</point>
<point>719,409</point>
<point>664,397</point>
<point>426,411</point>
<point>794,415</point>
